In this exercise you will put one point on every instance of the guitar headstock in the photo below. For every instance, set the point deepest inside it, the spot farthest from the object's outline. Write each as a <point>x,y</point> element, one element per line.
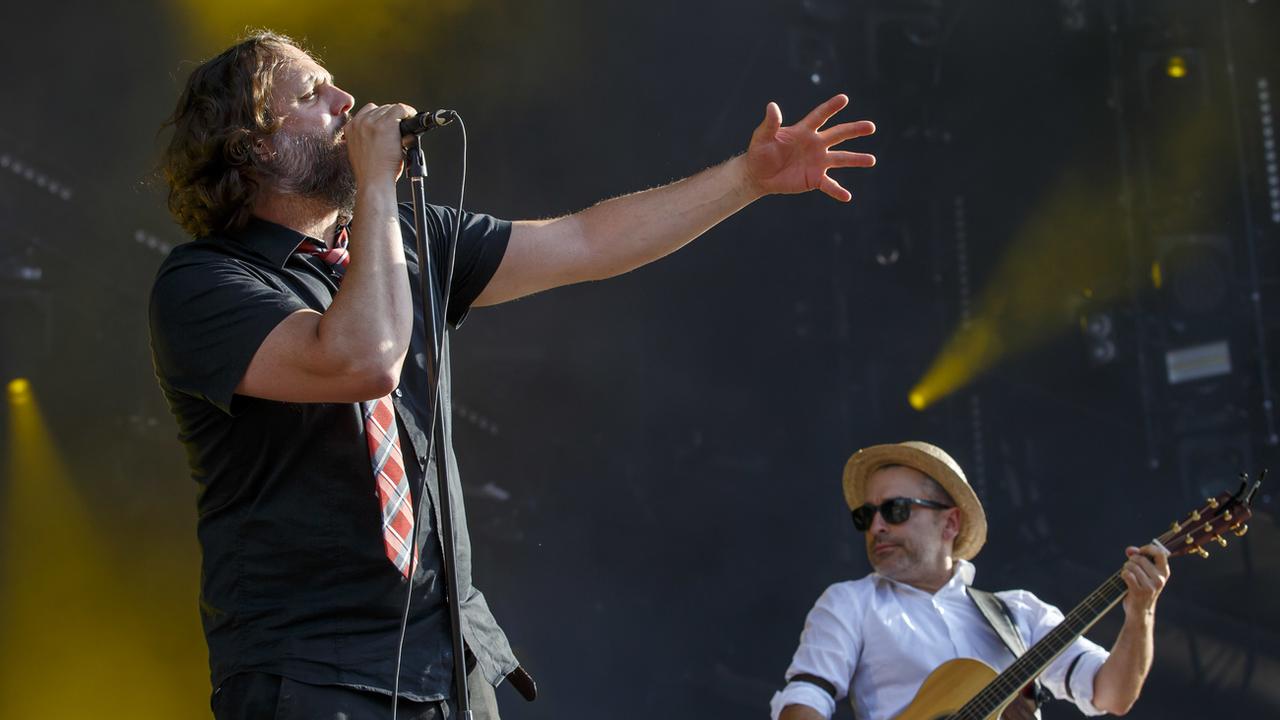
<point>1225,513</point>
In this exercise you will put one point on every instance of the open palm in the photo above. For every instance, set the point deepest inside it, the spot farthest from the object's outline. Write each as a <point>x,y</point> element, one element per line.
<point>796,158</point>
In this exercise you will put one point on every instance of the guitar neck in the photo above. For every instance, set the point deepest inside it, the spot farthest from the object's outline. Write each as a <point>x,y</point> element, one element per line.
<point>1037,658</point>
<point>1223,513</point>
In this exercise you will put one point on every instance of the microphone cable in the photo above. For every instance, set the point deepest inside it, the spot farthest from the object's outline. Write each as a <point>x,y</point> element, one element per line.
<point>435,408</point>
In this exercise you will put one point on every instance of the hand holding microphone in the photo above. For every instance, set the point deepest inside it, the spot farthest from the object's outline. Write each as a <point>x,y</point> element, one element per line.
<point>374,141</point>
<point>425,121</point>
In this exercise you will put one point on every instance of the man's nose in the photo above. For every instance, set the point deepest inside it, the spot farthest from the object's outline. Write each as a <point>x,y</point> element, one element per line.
<point>878,525</point>
<point>342,102</point>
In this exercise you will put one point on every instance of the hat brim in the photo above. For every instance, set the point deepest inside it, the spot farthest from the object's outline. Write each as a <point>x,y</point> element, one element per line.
<point>862,464</point>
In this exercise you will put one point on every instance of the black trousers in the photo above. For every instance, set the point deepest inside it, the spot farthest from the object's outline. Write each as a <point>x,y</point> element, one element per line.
<point>262,696</point>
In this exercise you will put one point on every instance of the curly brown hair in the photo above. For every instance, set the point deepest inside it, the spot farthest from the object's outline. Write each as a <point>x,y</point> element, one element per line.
<point>224,110</point>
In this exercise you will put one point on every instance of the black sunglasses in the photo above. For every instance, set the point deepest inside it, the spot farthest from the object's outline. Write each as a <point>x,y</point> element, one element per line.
<point>895,511</point>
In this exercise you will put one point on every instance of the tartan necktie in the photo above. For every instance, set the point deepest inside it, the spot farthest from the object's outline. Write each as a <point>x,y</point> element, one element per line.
<point>383,438</point>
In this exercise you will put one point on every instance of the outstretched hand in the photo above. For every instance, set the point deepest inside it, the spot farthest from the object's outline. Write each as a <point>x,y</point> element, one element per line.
<point>796,158</point>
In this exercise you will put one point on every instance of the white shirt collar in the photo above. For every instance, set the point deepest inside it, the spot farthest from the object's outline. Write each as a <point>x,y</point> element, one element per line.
<point>962,574</point>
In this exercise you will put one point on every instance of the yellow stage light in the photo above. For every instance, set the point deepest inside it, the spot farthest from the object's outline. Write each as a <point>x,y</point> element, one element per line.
<point>917,399</point>
<point>67,607</point>
<point>19,389</point>
<point>326,26</point>
<point>1176,67</point>
<point>1069,248</point>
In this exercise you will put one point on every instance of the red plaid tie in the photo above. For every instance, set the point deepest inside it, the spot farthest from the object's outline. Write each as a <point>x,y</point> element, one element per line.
<point>384,443</point>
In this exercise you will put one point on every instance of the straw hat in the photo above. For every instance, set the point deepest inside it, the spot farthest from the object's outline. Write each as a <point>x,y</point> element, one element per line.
<point>932,461</point>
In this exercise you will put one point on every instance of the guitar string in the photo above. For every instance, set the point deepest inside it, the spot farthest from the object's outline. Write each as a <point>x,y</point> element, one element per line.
<point>1074,624</point>
<point>1028,666</point>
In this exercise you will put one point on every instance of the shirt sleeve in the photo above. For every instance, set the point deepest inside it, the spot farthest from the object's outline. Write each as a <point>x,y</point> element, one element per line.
<point>482,242</point>
<point>1081,659</point>
<point>207,321</point>
<point>829,648</point>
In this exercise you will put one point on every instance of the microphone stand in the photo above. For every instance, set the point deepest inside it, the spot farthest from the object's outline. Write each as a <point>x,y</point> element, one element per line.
<point>429,287</point>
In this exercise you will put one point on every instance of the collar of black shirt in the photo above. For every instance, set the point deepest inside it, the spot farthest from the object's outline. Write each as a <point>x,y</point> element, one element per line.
<point>275,243</point>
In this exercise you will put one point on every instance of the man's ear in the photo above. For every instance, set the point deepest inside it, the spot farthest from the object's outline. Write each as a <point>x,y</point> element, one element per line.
<point>261,150</point>
<point>951,525</point>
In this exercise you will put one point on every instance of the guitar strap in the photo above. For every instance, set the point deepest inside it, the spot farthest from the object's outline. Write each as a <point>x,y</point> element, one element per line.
<point>1001,620</point>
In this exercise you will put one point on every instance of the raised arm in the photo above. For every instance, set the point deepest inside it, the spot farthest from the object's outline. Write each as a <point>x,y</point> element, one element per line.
<point>1119,680</point>
<point>621,234</point>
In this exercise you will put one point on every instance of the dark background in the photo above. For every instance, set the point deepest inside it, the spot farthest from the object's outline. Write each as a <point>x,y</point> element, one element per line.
<point>653,462</point>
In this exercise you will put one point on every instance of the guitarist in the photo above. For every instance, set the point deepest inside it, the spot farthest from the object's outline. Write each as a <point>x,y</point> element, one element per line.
<point>875,640</point>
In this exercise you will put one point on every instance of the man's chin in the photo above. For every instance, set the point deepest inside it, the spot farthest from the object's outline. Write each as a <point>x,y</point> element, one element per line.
<point>888,564</point>
<point>887,553</point>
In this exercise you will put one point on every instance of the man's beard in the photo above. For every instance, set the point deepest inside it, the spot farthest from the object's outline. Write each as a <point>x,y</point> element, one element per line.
<point>314,167</point>
<point>898,565</point>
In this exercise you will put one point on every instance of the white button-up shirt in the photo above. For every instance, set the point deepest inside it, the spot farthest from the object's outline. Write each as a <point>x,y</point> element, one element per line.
<point>877,639</point>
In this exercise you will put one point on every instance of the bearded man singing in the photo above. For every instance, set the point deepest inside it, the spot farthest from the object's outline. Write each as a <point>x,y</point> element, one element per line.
<point>288,342</point>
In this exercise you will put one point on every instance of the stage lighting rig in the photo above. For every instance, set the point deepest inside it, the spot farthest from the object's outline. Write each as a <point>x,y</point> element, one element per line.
<point>1267,124</point>
<point>1098,329</point>
<point>20,265</point>
<point>25,172</point>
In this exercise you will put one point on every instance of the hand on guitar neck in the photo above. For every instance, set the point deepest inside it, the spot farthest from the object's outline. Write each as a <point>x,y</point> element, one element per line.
<point>1145,574</point>
<point>1119,680</point>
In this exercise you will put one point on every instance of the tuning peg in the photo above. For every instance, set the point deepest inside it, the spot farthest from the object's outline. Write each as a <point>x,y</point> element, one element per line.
<point>1240,531</point>
<point>1221,540</point>
<point>1227,516</point>
<point>1213,503</point>
<point>1175,527</point>
<point>1208,528</point>
<point>1195,515</point>
<point>1190,541</point>
<point>1201,552</point>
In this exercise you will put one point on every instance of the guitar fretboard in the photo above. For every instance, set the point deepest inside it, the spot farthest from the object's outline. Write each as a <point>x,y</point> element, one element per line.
<point>1035,660</point>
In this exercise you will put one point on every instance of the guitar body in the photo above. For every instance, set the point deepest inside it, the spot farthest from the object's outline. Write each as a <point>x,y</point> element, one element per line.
<point>948,688</point>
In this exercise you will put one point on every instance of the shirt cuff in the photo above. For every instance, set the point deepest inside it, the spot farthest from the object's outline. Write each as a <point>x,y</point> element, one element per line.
<point>1082,682</point>
<point>802,693</point>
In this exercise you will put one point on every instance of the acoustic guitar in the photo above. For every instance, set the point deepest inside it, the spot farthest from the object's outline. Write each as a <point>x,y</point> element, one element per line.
<point>967,689</point>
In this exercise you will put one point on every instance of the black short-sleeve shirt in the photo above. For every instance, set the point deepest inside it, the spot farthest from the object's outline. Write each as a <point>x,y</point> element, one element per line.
<point>294,580</point>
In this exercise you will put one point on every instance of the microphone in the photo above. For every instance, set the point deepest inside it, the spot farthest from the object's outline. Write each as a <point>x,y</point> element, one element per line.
<point>424,121</point>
